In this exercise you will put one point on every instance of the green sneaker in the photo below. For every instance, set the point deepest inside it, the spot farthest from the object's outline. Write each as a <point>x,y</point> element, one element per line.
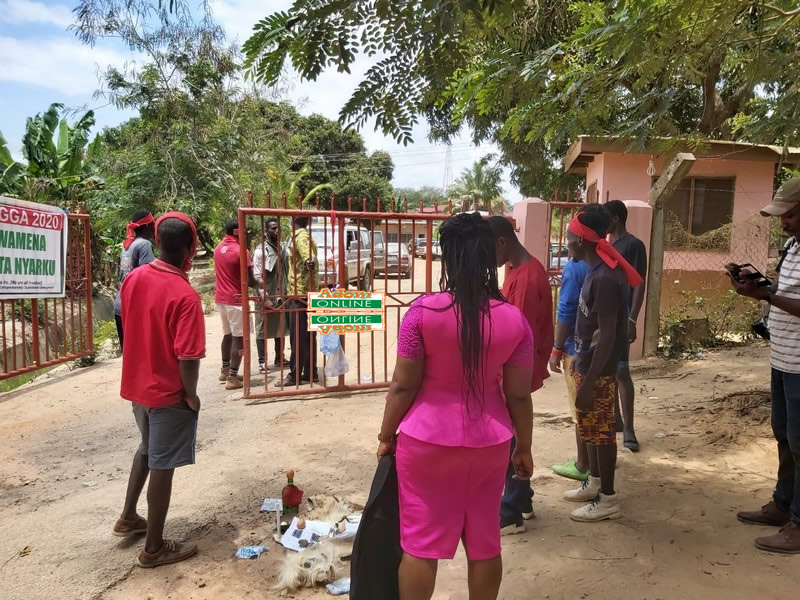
<point>570,470</point>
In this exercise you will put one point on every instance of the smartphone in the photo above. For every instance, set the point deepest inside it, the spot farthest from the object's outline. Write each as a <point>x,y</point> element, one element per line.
<point>754,274</point>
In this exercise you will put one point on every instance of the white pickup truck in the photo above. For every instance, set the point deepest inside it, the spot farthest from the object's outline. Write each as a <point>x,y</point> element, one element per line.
<point>362,260</point>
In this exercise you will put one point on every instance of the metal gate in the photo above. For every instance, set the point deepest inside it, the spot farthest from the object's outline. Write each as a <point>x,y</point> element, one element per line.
<point>559,216</point>
<point>393,252</point>
<point>39,333</point>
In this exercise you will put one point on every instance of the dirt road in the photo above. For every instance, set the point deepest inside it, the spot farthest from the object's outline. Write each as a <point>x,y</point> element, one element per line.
<point>67,448</point>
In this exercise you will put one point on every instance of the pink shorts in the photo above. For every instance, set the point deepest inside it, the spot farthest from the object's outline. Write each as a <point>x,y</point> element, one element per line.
<point>450,493</point>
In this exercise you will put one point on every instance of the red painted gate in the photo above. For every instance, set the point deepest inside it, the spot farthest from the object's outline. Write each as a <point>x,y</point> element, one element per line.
<point>39,333</point>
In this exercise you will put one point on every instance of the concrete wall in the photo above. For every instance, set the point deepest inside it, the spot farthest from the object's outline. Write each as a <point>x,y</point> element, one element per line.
<point>533,227</point>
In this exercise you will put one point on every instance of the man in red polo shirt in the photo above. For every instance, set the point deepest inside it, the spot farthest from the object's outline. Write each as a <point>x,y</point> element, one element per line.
<point>527,287</point>
<point>160,368</point>
<point>228,297</point>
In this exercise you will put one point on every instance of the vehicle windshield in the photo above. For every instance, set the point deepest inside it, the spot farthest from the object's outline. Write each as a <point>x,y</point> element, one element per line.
<point>319,237</point>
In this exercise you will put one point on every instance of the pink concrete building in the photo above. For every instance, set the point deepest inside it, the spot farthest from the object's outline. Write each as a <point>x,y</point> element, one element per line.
<point>717,205</point>
<point>723,193</point>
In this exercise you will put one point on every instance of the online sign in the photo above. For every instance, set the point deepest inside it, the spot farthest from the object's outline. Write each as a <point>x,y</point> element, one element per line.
<point>346,311</point>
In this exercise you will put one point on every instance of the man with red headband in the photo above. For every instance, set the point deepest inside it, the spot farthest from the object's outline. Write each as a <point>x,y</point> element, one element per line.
<point>600,339</point>
<point>160,380</point>
<point>137,250</point>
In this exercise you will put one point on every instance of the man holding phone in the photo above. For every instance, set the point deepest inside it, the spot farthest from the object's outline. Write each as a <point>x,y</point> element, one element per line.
<point>783,297</point>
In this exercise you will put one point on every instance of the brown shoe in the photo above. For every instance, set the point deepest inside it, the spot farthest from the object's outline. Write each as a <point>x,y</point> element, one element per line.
<point>769,514</point>
<point>171,552</point>
<point>786,541</point>
<point>125,528</point>
<point>234,383</point>
<point>223,375</point>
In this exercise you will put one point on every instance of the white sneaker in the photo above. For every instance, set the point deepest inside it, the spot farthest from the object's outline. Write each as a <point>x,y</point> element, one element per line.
<point>601,508</point>
<point>513,529</point>
<point>588,491</point>
<point>527,516</point>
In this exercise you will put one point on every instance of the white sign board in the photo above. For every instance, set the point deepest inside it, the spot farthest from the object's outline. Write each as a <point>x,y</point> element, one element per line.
<point>33,250</point>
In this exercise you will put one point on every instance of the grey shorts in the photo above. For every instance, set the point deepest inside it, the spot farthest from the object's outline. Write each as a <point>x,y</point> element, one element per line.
<point>168,435</point>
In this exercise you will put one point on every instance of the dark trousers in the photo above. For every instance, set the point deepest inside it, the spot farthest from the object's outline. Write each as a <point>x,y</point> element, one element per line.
<point>262,352</point>
<point>786,428</point>
<point>304,345</point>
<point>517,496</point>
<point>118,320</point>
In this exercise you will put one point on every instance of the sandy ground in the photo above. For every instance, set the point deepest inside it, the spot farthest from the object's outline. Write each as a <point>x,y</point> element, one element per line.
<point>67,448</point>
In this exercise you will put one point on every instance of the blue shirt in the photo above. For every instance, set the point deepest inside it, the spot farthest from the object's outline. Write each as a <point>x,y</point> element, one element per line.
<point>571,283</point>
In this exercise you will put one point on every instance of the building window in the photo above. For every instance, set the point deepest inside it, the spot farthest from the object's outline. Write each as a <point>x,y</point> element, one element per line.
<point>698,214</point>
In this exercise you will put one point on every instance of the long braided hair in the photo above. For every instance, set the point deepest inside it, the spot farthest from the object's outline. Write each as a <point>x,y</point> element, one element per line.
<point>469,274</point>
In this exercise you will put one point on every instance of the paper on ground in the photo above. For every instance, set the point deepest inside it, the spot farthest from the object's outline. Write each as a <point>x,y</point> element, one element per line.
<point>314,531</point>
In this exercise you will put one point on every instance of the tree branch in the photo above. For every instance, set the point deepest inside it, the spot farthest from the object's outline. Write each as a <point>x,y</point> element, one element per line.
<point>741,95</point>
<point>780,11</point>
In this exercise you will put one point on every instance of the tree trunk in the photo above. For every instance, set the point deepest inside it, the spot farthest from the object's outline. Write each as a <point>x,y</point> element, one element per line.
<point>717,111</point>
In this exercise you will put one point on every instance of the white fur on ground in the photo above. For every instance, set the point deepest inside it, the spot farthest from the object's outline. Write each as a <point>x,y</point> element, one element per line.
<point>318,565</point>
<point>324,562</point>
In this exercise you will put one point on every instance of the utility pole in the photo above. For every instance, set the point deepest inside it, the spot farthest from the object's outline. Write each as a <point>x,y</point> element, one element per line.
<point>448,171</point>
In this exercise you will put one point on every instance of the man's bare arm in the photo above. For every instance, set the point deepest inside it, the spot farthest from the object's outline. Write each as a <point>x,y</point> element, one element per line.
<point>190,373</point>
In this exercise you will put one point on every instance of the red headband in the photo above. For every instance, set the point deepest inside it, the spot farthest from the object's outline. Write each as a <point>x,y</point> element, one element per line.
<point>187,266</point>
<point>607,253</point>
<point>133,226</point>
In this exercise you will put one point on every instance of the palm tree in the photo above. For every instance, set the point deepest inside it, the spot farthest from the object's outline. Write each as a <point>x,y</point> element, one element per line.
<point>282,180</point>
<point>479,185</point>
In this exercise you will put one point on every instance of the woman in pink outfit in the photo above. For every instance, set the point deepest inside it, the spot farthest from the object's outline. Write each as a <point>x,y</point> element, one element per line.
<point>460,392</point>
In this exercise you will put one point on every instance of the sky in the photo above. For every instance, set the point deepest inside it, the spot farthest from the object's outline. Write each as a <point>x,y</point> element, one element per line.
<point>41,62</point>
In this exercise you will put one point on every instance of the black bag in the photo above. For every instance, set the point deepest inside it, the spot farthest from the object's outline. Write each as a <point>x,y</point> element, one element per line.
<point>376,550</point>
<point>761,327</point>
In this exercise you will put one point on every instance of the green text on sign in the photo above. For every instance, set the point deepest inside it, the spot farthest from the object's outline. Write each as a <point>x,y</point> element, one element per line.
<point>346,319</point>
<point>346,304</point>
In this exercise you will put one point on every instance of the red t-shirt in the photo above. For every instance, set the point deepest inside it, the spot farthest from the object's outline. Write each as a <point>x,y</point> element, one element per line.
<point>163,325</point>
<point>528,288</point>
<point>229,277</point>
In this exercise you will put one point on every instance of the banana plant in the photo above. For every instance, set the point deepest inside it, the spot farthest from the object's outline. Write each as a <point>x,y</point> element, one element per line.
<point>11,171</point>
<point>59,159</point>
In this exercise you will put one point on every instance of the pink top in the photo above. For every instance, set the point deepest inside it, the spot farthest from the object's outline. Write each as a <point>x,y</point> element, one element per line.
<point>443,411</point>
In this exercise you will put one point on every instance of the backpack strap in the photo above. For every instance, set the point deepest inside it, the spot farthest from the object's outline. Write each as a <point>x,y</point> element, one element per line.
<point>786,248</point>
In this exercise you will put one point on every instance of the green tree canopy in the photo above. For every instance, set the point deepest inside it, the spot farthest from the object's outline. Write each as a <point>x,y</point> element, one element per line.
<point>203,139</point>
<point>534,75</point>
<point>425,196</point>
